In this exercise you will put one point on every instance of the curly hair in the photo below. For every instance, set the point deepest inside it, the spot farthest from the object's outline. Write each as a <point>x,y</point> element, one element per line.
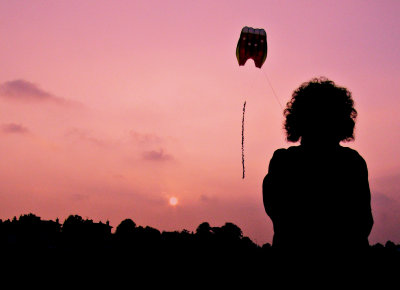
<point>320,108</point>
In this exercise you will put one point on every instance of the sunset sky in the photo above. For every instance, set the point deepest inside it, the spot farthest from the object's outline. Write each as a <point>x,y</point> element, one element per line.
<point>108,109</point>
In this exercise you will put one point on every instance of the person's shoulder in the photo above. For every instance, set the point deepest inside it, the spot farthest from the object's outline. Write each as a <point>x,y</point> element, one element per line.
<point>294,149</point>
<point>353,154</point>
<point>280,151</point>
<point>291,149</point>
<point>284,153</point>
<point>350,151</point>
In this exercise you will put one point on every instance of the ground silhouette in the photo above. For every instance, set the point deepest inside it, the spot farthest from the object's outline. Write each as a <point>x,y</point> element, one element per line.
<point>29,233</point>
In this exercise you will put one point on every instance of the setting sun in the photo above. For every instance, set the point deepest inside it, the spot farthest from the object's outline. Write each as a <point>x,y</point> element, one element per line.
<point>173,201</point>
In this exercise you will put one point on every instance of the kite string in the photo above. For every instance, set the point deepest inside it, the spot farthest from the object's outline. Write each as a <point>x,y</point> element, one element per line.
<point>243,167</point>
<point>272,88</point>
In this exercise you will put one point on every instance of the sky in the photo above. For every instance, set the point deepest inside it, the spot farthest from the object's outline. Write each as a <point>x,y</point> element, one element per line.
<point>108,109</point>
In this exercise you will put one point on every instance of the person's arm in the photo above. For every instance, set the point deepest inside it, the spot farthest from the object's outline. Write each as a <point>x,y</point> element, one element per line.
<point>271,183</point>
<point>365,214</point>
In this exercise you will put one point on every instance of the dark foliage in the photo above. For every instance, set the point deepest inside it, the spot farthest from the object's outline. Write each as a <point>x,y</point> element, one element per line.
<point>80,240</point>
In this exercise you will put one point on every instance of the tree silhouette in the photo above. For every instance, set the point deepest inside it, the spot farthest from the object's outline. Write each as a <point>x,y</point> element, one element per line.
<point>125,232</point>
<point>230,231</point>
<point>204,230</point>
<point>126,228</point>
<point>79,240</point>
<point>84,234</point>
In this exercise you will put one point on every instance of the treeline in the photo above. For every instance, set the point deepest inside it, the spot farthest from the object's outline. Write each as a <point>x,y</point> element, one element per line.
<point>75,234</point>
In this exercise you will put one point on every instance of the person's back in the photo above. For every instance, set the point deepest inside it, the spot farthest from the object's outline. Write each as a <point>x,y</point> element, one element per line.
<point>317,194</point>
<point>318,198</point>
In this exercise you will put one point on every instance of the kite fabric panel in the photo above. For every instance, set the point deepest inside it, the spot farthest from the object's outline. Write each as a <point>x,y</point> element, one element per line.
<point>252,44</point>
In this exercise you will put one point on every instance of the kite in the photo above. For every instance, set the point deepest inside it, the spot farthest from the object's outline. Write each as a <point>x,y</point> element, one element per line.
<point>252,44</point>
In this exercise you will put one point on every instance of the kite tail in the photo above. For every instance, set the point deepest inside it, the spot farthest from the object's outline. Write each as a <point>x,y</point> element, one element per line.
<point>244,110</point>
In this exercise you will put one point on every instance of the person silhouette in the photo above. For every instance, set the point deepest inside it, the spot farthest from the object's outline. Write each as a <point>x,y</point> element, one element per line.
<point>317,193</point>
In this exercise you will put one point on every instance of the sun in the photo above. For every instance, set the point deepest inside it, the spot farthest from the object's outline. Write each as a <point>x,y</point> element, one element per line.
<point>173,201</point>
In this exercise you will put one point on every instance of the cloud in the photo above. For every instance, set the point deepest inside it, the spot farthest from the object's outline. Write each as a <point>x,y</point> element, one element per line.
<point>386,218</point>
<point>79,197</point>
<point>390,184</point>
<point>154,155</point>
<point>207,199</point>
<point>87,137</point>
<point>144,139</point>
<point>385,204</point>
<point>146,142</point>
<point>12,128</point>
<point>204,198</point>
<point>25,91</point>
<point>382,200</point>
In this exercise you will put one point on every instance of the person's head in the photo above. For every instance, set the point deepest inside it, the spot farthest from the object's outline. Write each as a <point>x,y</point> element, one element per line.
<point>320,110</point>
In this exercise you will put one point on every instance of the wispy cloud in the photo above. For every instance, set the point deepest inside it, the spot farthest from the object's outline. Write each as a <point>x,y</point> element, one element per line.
<point>386,217</point>
<point>207,199</point>
<point>154,155</point>
<point>25,91</point>
<point>87,136</point>
<point>13,128</point>
<point>145,138</point>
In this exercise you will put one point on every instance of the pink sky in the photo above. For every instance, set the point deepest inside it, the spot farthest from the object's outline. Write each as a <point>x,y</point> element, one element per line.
<point>109,108</point>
